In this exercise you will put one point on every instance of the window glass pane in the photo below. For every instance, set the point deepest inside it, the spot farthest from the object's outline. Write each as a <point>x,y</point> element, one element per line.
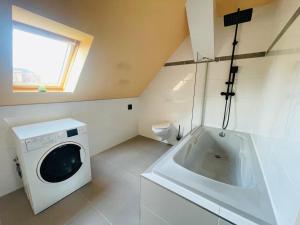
<point>38,59</point>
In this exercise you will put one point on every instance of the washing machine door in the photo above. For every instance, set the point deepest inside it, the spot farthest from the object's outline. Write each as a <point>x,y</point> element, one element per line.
<point>61,162</point>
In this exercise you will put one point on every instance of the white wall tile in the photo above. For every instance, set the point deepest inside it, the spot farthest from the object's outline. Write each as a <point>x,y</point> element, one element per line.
<point>267,103</point>
<point>109,123</point>
<point>181,53</point>
<point>169,98</point>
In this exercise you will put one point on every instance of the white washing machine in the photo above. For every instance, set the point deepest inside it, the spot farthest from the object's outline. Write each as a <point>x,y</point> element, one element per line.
<point>54,159</point>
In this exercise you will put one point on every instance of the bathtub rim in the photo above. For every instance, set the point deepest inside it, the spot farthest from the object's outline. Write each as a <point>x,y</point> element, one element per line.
<point>225,212</point>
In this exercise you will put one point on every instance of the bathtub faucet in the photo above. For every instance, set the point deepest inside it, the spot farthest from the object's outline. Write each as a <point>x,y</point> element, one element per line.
<point>222,134</point>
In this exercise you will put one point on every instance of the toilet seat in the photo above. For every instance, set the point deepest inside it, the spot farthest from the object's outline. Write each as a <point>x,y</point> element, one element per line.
<point>161,126</point>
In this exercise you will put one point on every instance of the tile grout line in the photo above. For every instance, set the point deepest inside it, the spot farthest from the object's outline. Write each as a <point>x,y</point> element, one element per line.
<point>122,168</point>
<point>284,29</point>
<point>95,208</point>
<point>98,211</point>
<point>248,55</point>
<point>219,59</point>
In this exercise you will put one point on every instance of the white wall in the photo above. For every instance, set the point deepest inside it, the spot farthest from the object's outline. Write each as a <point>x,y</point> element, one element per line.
<point>267,103</point>
<point>109,123</point>
<point>278,135</point>
<point>268,106</point>
<point>169,97</point>
<point>160,102</point>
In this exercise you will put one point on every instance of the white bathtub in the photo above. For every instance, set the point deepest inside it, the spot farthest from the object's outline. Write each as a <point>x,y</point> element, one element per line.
<point>221,174</point>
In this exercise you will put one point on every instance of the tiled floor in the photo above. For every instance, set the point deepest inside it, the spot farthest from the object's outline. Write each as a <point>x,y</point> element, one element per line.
<point>111,198</point>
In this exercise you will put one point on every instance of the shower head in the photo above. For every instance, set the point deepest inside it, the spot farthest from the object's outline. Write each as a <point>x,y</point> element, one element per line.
<point>242,16</point>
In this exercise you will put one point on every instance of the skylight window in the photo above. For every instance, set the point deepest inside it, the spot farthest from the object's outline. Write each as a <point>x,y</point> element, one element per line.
<point>47,56</point>
<point>40,60</point>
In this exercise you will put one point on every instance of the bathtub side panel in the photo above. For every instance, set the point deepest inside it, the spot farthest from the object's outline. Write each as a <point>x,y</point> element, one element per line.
<point>172,208</point>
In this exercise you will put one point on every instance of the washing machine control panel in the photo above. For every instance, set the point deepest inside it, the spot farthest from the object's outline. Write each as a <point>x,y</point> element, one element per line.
<point>36,143</point>
<point>72,132</point>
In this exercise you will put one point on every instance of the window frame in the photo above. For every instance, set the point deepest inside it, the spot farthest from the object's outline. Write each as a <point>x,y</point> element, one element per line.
<point>66,66</point>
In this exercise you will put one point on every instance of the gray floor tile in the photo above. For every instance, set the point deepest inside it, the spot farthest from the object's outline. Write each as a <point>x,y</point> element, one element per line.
<point>112,198</point>
<point>88,216</point>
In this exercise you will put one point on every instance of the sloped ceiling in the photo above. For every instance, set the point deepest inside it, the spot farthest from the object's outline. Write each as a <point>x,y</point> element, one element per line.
<point>132,41</point>
<point>228,6</point>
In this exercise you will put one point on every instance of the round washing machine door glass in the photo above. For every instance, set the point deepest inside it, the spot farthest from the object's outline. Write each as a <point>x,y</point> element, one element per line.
<point>61,162</point>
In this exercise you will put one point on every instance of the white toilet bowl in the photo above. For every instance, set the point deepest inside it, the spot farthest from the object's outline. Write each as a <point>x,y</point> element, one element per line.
<point>162,130</point>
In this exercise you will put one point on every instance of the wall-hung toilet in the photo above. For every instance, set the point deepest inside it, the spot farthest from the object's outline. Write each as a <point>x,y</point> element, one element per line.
<point>162,130</point>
